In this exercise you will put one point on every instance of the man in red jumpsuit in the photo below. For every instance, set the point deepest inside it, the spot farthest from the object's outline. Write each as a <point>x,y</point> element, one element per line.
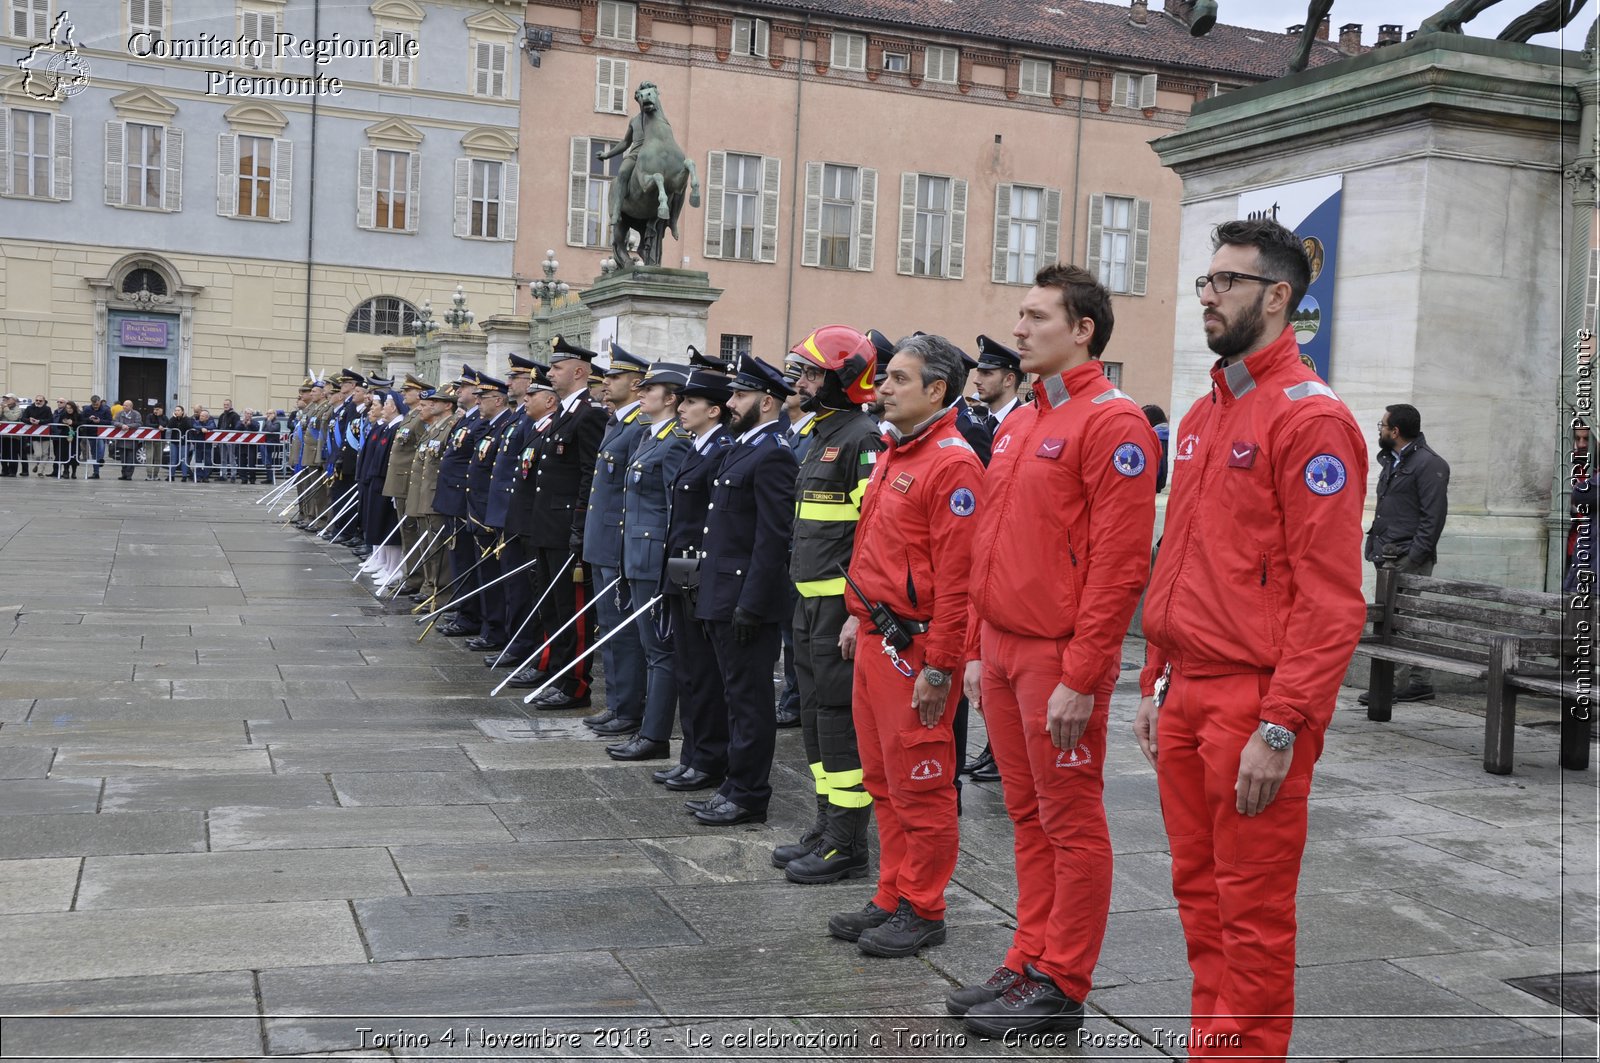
<point>1254,610</point>
<point>913,554</point>
<point>1072,484</point>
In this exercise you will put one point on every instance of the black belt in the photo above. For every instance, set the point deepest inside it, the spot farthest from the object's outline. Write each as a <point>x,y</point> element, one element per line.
<point>912,627</point>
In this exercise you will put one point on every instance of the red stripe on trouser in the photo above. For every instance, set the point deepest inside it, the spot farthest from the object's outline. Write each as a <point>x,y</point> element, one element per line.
<point>909,771</point>
<point>1234,876</point>
<point>1058,815</point>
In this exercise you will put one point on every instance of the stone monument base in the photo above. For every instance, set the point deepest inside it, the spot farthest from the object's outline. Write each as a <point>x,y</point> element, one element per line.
<point>652,311</point>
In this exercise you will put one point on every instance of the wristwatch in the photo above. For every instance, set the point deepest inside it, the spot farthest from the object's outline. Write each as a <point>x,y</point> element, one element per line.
<point>1276,736</point>
<point>935,677</point>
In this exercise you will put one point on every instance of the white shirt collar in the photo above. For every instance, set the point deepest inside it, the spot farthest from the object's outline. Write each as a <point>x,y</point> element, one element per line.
<point>799,426</point>
<point>703,440</point>
<point>624,411</point>
<point>569,403</point>
<point>757,430</point>
<point>1003,412</point>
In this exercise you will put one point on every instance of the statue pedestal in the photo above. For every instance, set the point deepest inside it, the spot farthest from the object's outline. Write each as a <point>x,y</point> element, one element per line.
<point>505,335</point>
<point>652,311</point>
<point>440,358</point>
<point>1449,266</point>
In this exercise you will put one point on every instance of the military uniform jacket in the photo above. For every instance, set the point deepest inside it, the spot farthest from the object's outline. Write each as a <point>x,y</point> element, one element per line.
<point>749,521</point>
<point>480,470</point>
<point>316,432</point>
<point>844,447</point>
<point>507,469</point>
<point>602,524</point>
<point>347,414</point>
<point>562,474</point>
<point>451,496</point>
<point>656,459</point>
<point>402,454</point>
<point>371,462</point>
<point>689,493</point>
<point>425,467</point>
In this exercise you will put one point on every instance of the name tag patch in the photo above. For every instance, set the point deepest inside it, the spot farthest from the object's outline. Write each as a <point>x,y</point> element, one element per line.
<point>1242,455</point>
<point>903,482</point>
<point>1051,449</point>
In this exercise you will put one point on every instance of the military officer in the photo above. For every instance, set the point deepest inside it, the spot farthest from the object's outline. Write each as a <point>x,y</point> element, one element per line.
<point>438,416</point>
<point>538,411</point>
<point>343,446</point>
<point>745,552</point>
<point>655,461</point>
<point>510,598</point>
<point>397,480</point>
<point>562,470</point>
<point>602,545</point>
<point>315,501</point>
<point>703,414</point>
<point>451,500</point>
<point>496,417</point>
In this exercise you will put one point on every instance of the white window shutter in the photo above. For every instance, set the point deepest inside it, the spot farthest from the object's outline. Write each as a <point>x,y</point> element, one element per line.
<point>402,67</point>
<point>619,86</point>
<point>866,219</point>
<point>716,176</point>
<point>497,69</point>
<point>811,239</point>
<point>463,211</point>
<point>172,198</point>
<point>282,179</point>
<point>908,224</point>
<point>1147,91</point>
<point>228,175</point>
<point>1002,232</point>
<point>61,145</point>
<point>366,165</point>
<point>510,174</point>
<point>958,231</point>
<point>602,84</point>
<point>5,151</point>
<point>1091,257</point>
<point>578,192</point>
<point>1119,90</point>
<point>771,169</point>
<point>483,76</point>
<point>1141,248</point>
<point>743,28</point>
<point>763,37</point>
<point>387,67</point>
<point>116,133</point>
<point>1050,234</point>
<point>413,191</point>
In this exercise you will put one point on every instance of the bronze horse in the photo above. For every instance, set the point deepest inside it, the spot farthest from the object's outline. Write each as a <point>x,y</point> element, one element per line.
<point>647,196</point>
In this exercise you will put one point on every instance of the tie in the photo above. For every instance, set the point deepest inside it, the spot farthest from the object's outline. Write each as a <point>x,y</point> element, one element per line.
<point>611,422</point>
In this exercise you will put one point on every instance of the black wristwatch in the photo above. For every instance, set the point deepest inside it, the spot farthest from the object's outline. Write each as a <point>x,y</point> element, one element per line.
<point>935,677</point>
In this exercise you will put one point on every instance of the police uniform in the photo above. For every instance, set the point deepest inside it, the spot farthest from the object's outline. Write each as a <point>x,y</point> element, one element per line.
<point>513,596</point>
<point>347,428</point>
<point>655,461</point>
<point>745,551</point>
<point>397,481</point>
<point>492,633</point>
<point>450,499</point>
<point>431,535</point>
<point>602,548</point>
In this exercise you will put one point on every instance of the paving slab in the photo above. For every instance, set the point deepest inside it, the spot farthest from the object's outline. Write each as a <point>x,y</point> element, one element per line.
<point>73,710</point>
<point>24,762</point>
<point>479,924</point>
<point>186,758</point>
<point>99,834</point>
<point>1391,924</point>
<point>20,797</point>
<point>325,828</point>
<point>68,946</point>
<point>494,868</point>
<point>1481,978</point>
<point>460,787</point>
<point>376,758</point>
<point>1373,816</point>
<point>266,877</point>
<point>1514,808</point>
<point>173,791</point>
<point>1525,854</point>
<point>150,1016</point>
<point>37,885</point>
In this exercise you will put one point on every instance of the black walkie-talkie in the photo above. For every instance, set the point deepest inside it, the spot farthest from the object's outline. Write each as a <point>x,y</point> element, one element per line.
<point>882,617</point>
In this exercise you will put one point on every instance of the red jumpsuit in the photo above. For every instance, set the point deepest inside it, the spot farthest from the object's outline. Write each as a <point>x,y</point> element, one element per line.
<point>913,553</point>
<point>1062,555</point>
<point>1256,606</point>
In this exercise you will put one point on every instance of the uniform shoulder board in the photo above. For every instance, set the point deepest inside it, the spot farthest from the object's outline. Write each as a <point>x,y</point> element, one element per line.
<point>679,433</point>
<point>1307,388</point>
<point>1111,394</point>
<point>953,442</point>
<point>723,441</point>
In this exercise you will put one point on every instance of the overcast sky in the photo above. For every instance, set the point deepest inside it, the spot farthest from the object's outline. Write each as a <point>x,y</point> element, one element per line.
<point>1279,15</point>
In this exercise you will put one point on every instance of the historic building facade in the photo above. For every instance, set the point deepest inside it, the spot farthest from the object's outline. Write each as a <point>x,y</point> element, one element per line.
<point>198,213</point>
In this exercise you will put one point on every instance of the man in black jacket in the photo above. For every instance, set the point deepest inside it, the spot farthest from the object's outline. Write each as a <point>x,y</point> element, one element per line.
<point>1412,503</point>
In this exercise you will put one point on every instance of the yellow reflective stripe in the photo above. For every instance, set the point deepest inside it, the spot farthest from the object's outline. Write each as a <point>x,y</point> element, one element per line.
<point>820,588</point>
<point>828,511</point>
<point>820,776</point>
<point>861,489</point>
<point>842,779</point>
<point>849,798</point>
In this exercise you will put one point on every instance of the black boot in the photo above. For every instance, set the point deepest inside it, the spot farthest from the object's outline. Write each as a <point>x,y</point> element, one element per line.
<point>842,852</point>
<point>783,854</point>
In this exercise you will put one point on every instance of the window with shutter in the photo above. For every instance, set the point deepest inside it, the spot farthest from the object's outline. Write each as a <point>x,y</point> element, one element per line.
<point>172,192</point>
<point>1113,372</point>
<point>866,219</point>
<point>751,36</point>
<point>1034,78</point>
<point>931,243</point>
<point>733,347</point>
<point>939,64</point>
<point>957,267</point>
<point>741,207</point>
<point>771,174</point>
<point>849,51</point>
<point>30,20</point>
<point>258,30</point>
<point>32,154</point>
<point>1141,248</point>
<point>611,85</point>
<point>116,139</point>
<point>1147,91</point>
<point>282,178</point>
<point>486,200</point>
<point>395,67</point>
<point>145,16</point>
<point>255,176</point>
<point>228,175</point>
<point>716,169</point>
<point>391,189</point>
<point>589,192</point>
<point>896,62</point>
<point>1113,227</point>
<point>1022,238</point>
<point>617,20</point>
<point>489,69</point>
<point>837,233</point>
<point>1050,238</point>
<point>144,165</point>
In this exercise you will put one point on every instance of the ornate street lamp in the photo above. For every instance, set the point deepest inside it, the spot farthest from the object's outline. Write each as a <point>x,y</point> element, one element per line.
<point>458,316</point>
<point>547,291</point>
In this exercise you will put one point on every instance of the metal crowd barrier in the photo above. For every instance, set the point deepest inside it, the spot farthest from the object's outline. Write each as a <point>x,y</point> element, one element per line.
<point>198,455</point>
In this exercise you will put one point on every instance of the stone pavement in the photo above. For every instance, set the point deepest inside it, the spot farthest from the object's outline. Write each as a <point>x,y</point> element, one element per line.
<point>244,813</point>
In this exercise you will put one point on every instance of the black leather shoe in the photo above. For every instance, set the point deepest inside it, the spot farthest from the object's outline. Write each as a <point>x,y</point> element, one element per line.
<point>693,780</point>
<point>411,588</point>
<point>1033,1004</point>
<point>984,769</point>
<point>668,773</point>
<point>639,748</point>
<point>417,597</point>
<point>618,725</point>
<point>599,718</point>
<point>960,1001</point>
<point>1365,698</point>
<point>528,678</point>
<point>847,926</point>
<point>555,701</point>
<point>826,863</point>
<point>904,934</point>
<point>788,717</point>
<point>457,631</point>
<point>484,645</point>
<point>705,804</point>
<point>499,660</point>
<point>1414,693</point>
<point>728,814</point>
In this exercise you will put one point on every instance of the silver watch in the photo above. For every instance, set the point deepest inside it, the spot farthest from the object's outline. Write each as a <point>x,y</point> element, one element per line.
<point>935,677</point>
<point>1276,736</point>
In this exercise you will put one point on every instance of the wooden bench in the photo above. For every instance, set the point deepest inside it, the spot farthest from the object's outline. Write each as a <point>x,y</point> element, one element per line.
<point>1515,640</point>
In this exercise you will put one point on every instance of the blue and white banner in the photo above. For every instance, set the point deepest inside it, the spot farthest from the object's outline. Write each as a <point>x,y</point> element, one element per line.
<point>1311,209</point>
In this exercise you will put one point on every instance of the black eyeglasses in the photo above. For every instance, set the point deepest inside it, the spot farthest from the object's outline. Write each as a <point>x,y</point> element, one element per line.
<point>1221,282</point>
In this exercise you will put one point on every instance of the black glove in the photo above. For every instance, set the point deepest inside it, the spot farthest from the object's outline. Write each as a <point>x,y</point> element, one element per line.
<point>575,543</point>
<point>745,627</point>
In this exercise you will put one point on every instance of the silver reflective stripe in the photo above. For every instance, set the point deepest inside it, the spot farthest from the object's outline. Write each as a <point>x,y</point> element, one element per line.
<point>1114,393</point>
<point>1240,382</point>
<point>955,443</point>
<point>1307,388</point>
<point>1055,389</point>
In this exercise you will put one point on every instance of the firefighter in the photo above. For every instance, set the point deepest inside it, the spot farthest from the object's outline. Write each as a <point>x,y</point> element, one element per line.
<point>1255,608</point>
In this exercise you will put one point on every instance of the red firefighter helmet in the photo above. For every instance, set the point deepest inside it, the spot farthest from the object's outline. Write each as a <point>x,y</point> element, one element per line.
<point>843,350</point>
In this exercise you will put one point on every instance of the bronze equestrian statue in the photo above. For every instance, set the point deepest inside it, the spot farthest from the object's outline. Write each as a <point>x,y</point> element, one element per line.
<point>1547,17</point>
<point>647,195</point>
